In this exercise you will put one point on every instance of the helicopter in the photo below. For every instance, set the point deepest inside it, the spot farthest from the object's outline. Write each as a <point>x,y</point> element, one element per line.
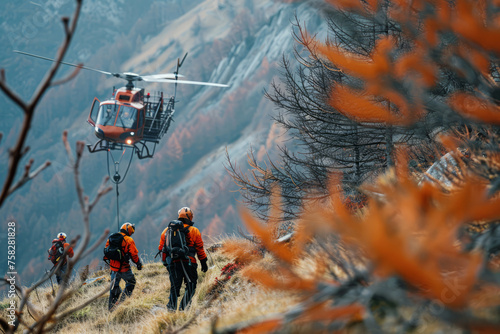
<point>131,118</point>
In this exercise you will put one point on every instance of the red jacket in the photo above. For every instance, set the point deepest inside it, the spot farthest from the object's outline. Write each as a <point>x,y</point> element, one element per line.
<point>128,247</point>
<point>193,239</point>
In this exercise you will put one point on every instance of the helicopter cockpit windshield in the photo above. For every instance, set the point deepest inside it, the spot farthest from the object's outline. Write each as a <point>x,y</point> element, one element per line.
<point>107,114</point>
<point>127,116</point>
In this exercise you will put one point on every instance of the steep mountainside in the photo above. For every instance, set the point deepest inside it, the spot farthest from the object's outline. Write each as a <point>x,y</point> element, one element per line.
<point>237,42</point>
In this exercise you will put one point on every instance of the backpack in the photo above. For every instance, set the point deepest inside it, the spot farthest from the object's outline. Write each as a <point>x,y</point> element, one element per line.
<point>114,250</point>
<point>56,251</point>
<point>175,245</point>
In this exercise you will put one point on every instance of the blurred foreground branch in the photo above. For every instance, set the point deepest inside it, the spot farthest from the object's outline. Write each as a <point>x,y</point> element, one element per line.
<point>46,320</point>
<point>29,107</point>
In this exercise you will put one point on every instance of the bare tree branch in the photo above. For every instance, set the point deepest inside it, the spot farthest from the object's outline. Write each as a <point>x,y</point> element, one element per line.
<point>27,176</point>
<point>16,153</point>
<point>70,77</point>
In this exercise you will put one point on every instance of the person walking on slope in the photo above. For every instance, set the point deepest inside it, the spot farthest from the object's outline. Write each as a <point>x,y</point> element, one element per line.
<point>120,248</point>
<point>179,243</point>
<point>59,245</point>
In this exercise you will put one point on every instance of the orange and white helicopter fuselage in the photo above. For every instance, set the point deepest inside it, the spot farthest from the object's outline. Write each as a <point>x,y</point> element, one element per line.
<point>120,120</point>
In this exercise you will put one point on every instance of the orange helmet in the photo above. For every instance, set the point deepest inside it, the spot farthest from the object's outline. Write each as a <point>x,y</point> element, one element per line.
<point>128,228</point>
<point>186,212</point>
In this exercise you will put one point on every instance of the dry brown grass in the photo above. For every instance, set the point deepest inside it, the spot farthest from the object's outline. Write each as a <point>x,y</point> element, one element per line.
<point>145,311</point>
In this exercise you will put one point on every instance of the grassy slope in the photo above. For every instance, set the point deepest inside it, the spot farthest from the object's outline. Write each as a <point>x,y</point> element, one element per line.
<point>145,311</point>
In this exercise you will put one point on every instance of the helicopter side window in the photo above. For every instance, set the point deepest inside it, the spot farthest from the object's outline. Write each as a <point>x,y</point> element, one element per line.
<point>127,118</point>
<point>107,114</point>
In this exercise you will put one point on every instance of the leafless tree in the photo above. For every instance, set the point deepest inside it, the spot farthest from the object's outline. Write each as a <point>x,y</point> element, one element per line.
<point>326,141</point>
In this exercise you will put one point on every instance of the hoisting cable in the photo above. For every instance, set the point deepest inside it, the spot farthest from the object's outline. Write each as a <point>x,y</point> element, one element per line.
<point>116,179</point>
<point>117,207</point>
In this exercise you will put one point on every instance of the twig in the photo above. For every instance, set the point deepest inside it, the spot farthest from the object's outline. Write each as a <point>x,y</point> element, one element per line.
<point>27,176</point>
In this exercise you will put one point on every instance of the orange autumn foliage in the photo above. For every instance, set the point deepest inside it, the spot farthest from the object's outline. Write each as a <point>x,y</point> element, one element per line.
<point>324,314</point>
<point>407,229</point>
<point>266,326</point>
<point>476,108</point>
<point>367,68</point>
<point>416,62</point>
<point>377,71</point>
<point>284,274</point>
<point>360,107</point>
<point>281,251</point>
<point>283,280</point>
<point>469,22</point>
<point>243,251</point>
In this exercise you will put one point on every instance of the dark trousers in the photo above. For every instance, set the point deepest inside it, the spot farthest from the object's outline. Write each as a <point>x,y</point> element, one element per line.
<point>181,272</point>
<point>116,291</point>
<point>61,272</point>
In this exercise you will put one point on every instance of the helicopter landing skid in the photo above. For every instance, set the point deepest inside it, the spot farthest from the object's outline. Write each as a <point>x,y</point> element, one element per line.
<point>100,145</point>
<point>142,150</point>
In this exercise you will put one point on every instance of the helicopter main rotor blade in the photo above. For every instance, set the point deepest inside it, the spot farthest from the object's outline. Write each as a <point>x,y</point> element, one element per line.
<point>63,62</point>
<point>130,77</point>
<point>154,77</point>
<point>192,82</point>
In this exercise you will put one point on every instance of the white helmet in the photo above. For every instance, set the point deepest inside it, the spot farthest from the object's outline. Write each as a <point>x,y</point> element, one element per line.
<point>61,235</point>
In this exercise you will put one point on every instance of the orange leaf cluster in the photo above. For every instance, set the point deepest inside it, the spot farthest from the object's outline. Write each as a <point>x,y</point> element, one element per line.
<point>367,68</point>
<point>476,108</point>
<point>360,107</point>
<point>379,72</point>
<point>243,251</point>
<point>326,314</point>
<point>316,313</point>
<point>470,22</point>
<point>267,326</point>
<point>280,280</point>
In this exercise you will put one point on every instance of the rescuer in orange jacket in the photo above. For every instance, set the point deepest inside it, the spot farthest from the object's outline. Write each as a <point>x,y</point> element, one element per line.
<point>182,268</point>
<point>122,244</point>
<point>61,237</point>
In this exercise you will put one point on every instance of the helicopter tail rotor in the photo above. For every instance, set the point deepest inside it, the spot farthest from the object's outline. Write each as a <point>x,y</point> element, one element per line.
<point>179,63</point>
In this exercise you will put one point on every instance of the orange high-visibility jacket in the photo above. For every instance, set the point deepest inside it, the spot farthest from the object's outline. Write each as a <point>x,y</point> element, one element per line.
<point>193,239</point>
<point>128,247</point>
